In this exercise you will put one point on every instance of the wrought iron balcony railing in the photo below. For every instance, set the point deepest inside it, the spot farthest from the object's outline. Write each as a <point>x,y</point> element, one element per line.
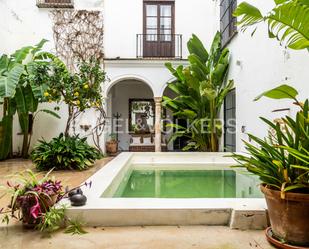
<point>159,46</point>
<point>55,3</point>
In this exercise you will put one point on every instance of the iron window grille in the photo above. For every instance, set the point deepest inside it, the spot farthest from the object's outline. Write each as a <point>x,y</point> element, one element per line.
<point>228,22</point>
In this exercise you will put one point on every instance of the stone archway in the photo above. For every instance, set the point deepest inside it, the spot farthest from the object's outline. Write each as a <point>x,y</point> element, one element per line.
<point>119,94</point>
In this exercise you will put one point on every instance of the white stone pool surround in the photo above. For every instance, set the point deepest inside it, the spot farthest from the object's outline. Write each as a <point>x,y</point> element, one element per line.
<point>238,213</point>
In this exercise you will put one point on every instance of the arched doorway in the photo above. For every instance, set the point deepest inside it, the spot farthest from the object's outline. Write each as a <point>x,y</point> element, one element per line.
<point>126,95</point>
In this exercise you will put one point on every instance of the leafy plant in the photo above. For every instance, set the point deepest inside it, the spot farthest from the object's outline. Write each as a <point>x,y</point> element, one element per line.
<point>282,159</point>
<point>287,21</point>
<point>31,197</point>
<point>200,90</point>
<point>34,199</point>
<point>64,152</point>
<point>113,137</point>
<point>21,90</point>
<point>80,91</point>
<point>52,220</point>
<point>75,227</point>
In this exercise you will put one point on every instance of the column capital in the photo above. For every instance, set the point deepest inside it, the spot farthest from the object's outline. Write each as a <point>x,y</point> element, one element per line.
<point>157,99</point>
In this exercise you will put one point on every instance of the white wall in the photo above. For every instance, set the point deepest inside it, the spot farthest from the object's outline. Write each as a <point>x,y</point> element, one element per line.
<point>264,64</point>
<point>23,23</point>
<point>151,72</point>
<point>124,19</point>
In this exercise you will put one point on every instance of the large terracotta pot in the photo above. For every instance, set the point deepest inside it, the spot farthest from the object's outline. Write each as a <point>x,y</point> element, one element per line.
<point>112,147</point>
<point>289,217</point>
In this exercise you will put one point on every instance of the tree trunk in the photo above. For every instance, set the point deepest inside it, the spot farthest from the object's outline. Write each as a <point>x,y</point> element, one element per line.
<point>24,152</point>
<point>213,139</point>
<point>69,120</point>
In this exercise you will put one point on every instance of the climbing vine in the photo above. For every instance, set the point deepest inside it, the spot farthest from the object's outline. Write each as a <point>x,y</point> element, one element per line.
<point>78,35</point>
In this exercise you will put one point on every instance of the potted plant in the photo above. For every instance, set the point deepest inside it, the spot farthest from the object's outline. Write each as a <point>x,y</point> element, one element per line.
<point>112,144</point>
<point>282,163</point>
<point>33,201</point>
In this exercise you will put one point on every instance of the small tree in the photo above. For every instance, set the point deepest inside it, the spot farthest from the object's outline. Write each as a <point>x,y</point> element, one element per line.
<point>80,91</point>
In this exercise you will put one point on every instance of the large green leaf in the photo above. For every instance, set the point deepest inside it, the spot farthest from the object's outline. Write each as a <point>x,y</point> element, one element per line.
<point>38,46</point>
<point>38,91</point>
<point>9,82</point>
<point>249,14</point>
<point>289,23</point>
<point>31,101</point>
<point>195,46</point>
<point>20,100</point>
<point>21,54</point>
<point>280,92</point>
<point>4,62</point>
<point>50,112</point>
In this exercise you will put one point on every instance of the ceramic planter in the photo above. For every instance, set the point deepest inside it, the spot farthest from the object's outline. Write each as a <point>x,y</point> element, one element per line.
<point>111,147</point>
<point>289,217</point>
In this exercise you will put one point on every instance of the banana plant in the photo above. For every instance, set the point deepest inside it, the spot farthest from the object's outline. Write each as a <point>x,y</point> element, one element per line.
<point>9,78</point>
<point>201,89</point>
<point>20,91</point>
<point>287,21</point>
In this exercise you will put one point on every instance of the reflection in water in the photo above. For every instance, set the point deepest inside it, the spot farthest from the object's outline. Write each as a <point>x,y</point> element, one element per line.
<point>189,184</point>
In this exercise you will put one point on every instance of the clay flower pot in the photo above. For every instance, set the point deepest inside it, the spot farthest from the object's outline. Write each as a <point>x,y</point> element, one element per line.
<point>289,217</point>
<point>111,147</point>
<point>43,204</point>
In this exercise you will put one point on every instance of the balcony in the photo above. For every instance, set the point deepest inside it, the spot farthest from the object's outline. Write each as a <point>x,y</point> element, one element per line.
<point>55,3</point>
<point>159,46</point>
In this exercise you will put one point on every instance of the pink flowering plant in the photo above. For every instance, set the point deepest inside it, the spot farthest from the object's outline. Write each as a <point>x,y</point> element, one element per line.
<point>33,202</point>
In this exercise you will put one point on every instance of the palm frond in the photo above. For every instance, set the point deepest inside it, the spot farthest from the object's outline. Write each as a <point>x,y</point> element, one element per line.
<point>289,23</point>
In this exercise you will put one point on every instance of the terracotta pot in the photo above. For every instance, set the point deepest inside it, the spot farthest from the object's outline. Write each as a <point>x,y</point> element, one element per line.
<point>112,147</point>
<point>289,217</point>
<point>45,203</point>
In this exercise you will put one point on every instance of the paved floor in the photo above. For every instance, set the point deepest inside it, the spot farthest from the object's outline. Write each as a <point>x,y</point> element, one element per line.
<point>196,237</point>
<point>164,237</point>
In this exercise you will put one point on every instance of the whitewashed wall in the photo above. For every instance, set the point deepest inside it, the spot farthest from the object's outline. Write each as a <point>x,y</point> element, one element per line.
<point>23,23</point>
<point>263,64</point>
<point>124,19</point>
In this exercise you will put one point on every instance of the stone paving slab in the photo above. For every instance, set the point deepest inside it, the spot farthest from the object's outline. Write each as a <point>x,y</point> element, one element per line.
<point>172,237</point>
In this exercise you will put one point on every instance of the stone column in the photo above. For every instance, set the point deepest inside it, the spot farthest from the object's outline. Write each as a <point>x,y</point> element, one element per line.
<point>158,108</point>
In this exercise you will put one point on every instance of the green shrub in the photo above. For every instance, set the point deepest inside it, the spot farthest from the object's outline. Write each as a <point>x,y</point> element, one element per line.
<point>64,152</point>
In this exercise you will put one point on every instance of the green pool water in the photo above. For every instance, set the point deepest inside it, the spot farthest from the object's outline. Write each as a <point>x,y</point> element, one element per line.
<point>188,184</point>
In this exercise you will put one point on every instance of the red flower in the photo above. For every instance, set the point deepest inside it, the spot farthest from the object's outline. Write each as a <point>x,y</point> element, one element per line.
<point>35,211</point>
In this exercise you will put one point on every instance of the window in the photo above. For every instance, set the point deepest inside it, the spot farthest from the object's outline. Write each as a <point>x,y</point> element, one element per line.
<point>158,23</point>
<point>227,20</point>
<point>230,122</point>
<point>159,37</point>
<point>55,3</point>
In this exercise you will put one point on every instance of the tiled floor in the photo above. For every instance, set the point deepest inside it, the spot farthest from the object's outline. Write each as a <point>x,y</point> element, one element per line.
<point>164,237</point>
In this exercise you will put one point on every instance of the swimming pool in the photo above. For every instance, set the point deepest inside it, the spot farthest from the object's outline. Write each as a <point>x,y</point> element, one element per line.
<point>143,182</point>
<point>141,188</point>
